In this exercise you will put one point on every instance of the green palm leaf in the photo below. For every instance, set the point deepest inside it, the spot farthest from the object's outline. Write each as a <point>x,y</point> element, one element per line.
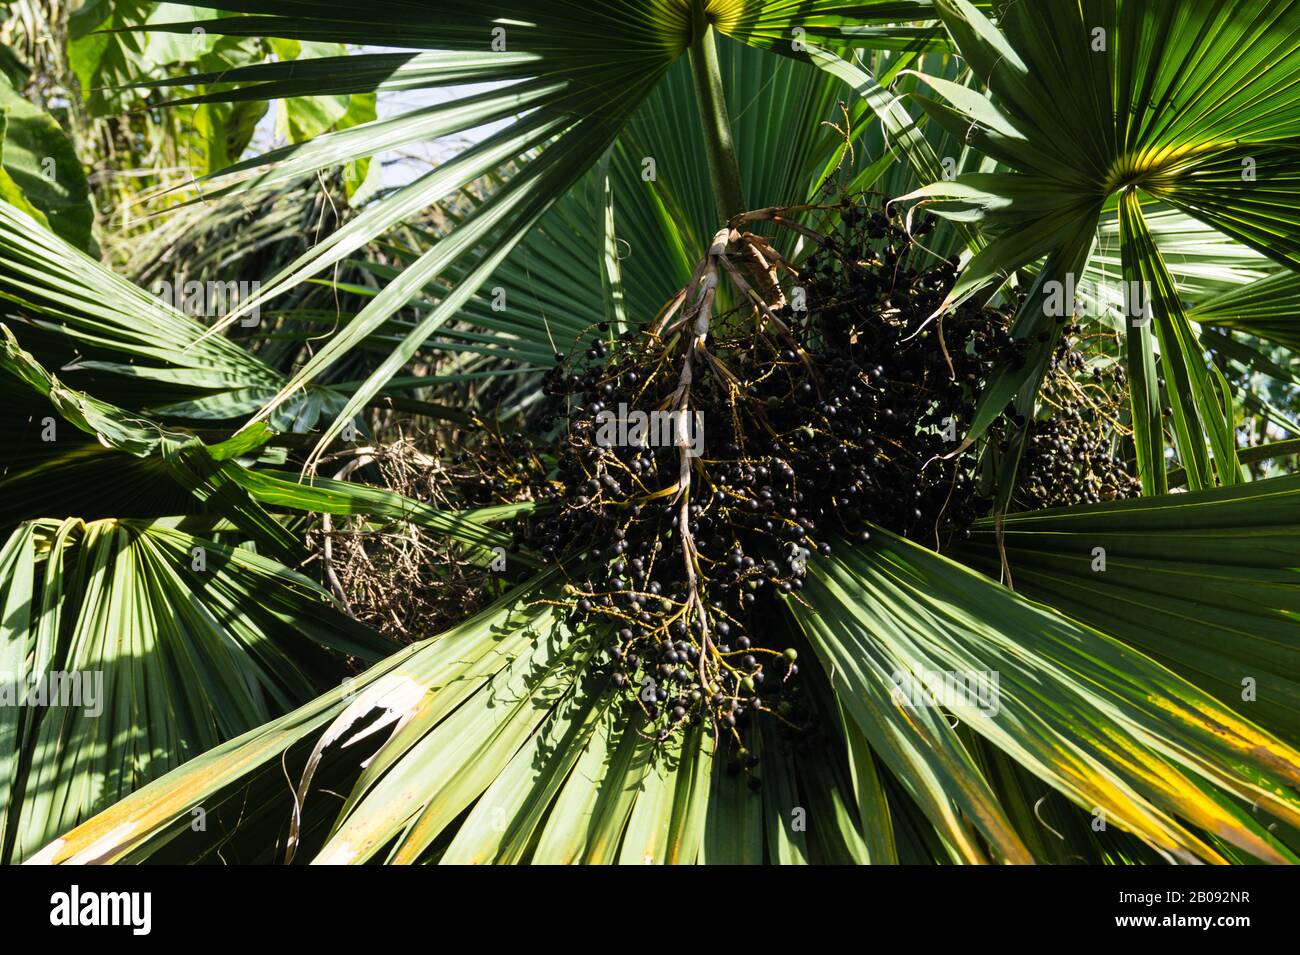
<point>182,641</point>
<point>1104,724</point>
<point>213,473</point>
<point>1204,582</point>
<point>1103,108</point>
<point>79,310</point>
<point>1267,308</point>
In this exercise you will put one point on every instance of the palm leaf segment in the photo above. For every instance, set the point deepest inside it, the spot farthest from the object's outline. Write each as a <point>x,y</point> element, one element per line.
<point>174,643</point>
<point>76,313</point>
<point>1217,563</point>
<point>1097,103</point>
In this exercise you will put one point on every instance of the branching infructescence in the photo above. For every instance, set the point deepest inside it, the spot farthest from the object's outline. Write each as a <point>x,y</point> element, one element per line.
<point>708,455</point>
<point>1074,453</point>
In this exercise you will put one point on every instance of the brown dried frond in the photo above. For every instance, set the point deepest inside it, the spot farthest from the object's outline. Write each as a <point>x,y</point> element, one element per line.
<point>396,576</point>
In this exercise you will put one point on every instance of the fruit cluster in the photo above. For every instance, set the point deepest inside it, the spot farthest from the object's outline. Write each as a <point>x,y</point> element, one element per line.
<point>847,418</point>
<point>1074,453</point>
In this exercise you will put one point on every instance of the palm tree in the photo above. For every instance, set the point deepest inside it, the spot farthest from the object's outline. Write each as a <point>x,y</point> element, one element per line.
<point>1148,686</point>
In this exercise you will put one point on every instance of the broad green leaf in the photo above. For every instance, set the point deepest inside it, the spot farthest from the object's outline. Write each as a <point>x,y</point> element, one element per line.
<point>173,644</point>
<point>1107,726</point>
<point>1205,582</point>
<point>39,159</point>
